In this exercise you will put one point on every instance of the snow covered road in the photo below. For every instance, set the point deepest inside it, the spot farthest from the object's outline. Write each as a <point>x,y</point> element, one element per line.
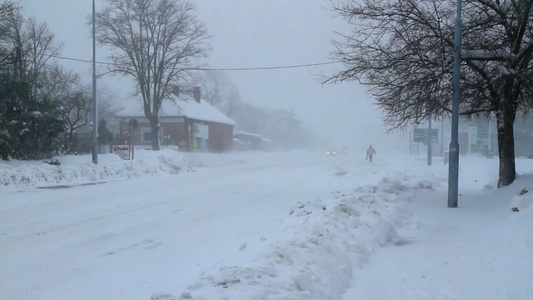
<point>294,225</point>
<point>111,240</point>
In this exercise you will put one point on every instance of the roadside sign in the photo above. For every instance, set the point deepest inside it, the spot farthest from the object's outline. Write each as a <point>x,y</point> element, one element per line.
<point>420,135</point>
<point>479,137</point>
<point>124,151</point>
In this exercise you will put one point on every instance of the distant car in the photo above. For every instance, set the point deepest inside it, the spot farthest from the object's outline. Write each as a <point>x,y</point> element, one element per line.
<point>331,152</point>
<point>343,151</point>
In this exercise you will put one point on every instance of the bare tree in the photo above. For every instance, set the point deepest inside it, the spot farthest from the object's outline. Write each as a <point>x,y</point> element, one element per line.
<point>75,109</point>
<point>218,90</point>
<point>6,11</point>
<point>55,82</point>
<point>232,101</point>
<point>108,107</point>
<point>65,89</point>
<point>215,85</point>
<point>41,47</point>
<point>154,41</point>
<point>18,46</point>
<point>403,51</point>
<point>32,47</point>
<point>34,126</point>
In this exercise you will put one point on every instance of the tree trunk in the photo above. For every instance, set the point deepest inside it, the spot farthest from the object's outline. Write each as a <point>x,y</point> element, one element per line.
<point>68,140</point>
<point>154,125</point>
<point>505,117</point>
<point>154,128</point>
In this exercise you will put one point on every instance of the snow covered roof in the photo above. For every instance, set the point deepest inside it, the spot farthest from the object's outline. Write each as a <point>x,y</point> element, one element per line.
<point>244,133</point>
<point>184,108</point>
<point>248,133</point>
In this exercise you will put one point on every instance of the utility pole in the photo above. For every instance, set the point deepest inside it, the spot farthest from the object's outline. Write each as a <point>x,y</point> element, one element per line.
<point>430,138</point>
<point>410,142</point>
<point>95,103</point>
<point>453,172</point>
<point>442,137</point>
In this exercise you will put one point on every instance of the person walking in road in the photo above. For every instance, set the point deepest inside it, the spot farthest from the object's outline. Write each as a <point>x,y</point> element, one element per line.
<point>370,152</point>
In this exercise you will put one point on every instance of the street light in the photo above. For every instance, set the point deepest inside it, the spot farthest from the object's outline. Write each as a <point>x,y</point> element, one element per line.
<point>95,102</point>
<point>453,172</point>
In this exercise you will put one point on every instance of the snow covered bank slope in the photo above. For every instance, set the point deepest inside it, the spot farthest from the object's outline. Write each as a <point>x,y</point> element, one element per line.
<point>67,170</point>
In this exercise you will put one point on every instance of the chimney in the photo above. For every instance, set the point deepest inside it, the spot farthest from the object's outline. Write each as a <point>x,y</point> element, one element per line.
<point>197,92</point>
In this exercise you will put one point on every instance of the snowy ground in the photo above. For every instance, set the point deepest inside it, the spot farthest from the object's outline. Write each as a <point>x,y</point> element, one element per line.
<point>294,225</point>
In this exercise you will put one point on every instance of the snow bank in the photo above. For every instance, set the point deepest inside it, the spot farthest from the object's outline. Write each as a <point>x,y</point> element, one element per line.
<point>79,169</point>
<point>72,170</point>
<point>523,200</point>
<point>325,241</point>
<point>522,206</point>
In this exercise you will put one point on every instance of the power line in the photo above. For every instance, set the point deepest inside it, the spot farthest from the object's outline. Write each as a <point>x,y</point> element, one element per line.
<point>266,68</point>
<point>80,60</point>
<point>215,69</point>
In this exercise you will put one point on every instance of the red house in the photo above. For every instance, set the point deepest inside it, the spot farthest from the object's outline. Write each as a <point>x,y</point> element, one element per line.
<point>189,125</point>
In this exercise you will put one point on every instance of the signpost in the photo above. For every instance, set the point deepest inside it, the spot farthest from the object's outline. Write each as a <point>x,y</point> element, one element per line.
<point>490,153</point>
<point>424,136</point>
<point>479,137</point>
<point>420,135</point>
<point>124,151</point>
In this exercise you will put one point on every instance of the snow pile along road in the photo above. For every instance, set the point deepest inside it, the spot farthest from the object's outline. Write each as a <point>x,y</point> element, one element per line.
<point>326,240</point>
<point>67,170</point>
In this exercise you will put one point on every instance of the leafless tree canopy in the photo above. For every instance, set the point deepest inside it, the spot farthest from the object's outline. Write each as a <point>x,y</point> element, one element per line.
<point>154,41</point>
<point>215,85</point>
<point>218,89</point>
<point>7,8</point>
<point>42,46</point>
<point>403,50</point>
<point>66,90</point>
<point>31,44</point>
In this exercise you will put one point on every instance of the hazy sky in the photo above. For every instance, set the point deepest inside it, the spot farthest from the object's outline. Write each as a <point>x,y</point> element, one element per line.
<point>250,33</point>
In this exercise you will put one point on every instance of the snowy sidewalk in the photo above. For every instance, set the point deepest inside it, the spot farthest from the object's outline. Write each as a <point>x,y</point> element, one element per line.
<point>475,251</point>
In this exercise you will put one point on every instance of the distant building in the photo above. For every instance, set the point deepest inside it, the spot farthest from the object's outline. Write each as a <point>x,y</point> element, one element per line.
<point>523,135</point>
<point>250,141</point>
<point>478,134</point>
<point>192,126</point>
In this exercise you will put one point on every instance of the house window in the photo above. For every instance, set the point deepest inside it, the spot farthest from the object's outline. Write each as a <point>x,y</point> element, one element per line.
<point>146,135</point>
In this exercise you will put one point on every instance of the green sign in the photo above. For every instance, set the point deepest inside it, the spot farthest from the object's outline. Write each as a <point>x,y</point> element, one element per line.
<point>420,135</point>
<point>479,137</point>
<point>482,132</point>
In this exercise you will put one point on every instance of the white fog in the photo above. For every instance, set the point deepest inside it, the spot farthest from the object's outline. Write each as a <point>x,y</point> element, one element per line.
<point>254,34</point>
<point>308,214</point>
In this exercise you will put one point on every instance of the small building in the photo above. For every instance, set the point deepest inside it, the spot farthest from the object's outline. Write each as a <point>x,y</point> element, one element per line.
<point>250,141</point>
<point>523,135</point>
<point>190,125</point>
